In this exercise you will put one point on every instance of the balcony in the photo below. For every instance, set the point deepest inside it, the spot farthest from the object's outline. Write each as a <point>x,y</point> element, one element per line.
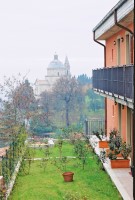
<point>115,82</point>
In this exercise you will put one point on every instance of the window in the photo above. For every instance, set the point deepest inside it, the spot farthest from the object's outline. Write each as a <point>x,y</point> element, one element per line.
<point>129,49</point>
<point>112,55</point>
<point>118,52</point>
<point>112,110</point>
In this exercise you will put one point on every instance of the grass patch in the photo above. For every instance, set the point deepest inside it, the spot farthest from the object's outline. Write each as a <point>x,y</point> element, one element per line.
<point>67,150</point>
<point>48,184</point>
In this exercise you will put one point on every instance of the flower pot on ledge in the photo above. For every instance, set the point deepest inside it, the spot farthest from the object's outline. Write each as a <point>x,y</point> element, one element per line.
<point>103,144</point>
<point>68,176</point>
<point>120,163</point>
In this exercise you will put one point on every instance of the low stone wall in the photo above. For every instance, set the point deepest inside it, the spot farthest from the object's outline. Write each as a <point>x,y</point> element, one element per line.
<point>13,178</point>
<point>11,184</point>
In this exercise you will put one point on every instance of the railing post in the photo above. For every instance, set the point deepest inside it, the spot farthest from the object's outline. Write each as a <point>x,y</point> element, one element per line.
<point>86,127</point>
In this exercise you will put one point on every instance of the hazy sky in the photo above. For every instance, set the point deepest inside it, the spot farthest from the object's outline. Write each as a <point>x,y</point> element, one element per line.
<point>31,31</point>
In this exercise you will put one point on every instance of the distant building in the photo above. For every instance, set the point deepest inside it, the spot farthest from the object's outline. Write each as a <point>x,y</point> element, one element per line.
<point>55,70</point>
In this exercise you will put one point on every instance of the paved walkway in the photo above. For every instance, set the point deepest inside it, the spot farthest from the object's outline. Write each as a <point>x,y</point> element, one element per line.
<point>120,176</point>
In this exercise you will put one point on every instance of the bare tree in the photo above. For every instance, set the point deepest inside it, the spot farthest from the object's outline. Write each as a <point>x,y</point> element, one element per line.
<point>23,99</point>
<point>66,92</point>
<point>18,100</point>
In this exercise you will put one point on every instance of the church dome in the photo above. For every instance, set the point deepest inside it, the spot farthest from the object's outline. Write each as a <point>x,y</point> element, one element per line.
<point>55,63</point>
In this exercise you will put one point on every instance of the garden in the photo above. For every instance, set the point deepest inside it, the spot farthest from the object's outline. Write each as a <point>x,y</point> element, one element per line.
<point>40,175</point>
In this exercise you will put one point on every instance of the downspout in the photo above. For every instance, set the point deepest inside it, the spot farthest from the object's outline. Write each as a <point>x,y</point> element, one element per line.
<point>104,66</point>
<point>103,46</point>
<point>120,25</point>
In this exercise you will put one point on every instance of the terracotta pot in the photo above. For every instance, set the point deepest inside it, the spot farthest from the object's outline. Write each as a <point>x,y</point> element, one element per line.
<point>103,144</point>
<point>68,176</point>
<point>108,151</point>
<point>120,163</point>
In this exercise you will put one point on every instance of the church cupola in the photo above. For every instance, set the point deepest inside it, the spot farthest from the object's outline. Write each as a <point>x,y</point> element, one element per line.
<point>55,56</point>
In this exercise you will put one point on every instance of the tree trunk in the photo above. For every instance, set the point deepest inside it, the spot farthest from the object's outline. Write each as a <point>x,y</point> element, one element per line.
<point>67,113</point>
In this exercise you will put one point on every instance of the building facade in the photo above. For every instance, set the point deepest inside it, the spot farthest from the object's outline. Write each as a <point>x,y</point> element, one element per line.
<point>115,80</point>
<point>55,70</point>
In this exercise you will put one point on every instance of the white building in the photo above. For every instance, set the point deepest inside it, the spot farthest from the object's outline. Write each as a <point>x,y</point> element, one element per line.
<point>55,70</point>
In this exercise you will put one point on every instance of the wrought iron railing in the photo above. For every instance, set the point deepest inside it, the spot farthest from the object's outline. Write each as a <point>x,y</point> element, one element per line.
<point>93,125</point>
<point>115,80</point>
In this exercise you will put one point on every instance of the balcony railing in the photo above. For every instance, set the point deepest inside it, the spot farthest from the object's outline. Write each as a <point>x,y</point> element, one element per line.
<point>93,124</point>
<point>115,81</point>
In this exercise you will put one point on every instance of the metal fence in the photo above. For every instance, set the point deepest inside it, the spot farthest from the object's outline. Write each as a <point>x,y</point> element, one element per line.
<point>95,124</point>
<point>115,80</point>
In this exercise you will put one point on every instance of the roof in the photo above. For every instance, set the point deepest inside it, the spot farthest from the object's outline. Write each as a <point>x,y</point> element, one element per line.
<point>109,13</point>
<point>41,82</point>
<point>124,9</point>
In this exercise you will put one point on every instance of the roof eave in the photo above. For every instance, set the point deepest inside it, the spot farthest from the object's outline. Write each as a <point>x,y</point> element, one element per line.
<point>106,27</point>
<point>120,3</point>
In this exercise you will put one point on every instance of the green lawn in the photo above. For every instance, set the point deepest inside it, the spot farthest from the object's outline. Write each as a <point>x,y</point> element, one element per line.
<point>48,183</point>
<point>67,150</point>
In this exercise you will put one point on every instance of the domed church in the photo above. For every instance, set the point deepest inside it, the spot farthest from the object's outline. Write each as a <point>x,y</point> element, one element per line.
<point>55,70</point>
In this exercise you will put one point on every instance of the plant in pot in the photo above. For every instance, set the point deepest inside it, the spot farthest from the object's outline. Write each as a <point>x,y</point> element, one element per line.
<point>126,150</point>
<point>67,175</point>
<point>118,146</point>
<point>115,142</point>
<point>103,143</point>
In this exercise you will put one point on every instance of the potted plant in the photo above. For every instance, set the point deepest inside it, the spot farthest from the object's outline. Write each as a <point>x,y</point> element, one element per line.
<point>126,150</point>
<point>115,142</point>
<point>118,146</point>
<point>103,143</point>
<point>67,175</point>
